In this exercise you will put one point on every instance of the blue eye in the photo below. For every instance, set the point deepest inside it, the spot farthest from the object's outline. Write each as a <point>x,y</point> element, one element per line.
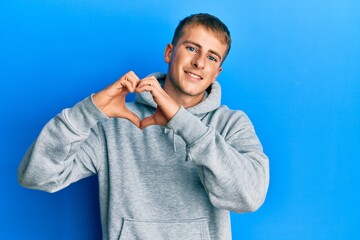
<point>211,58</point>
<point>191,49</point>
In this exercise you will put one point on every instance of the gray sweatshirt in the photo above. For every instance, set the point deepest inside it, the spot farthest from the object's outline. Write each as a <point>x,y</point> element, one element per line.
<point>177,182</point>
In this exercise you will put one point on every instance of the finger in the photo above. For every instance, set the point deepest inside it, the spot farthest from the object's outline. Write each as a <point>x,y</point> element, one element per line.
<point>151,81</point>
<point>129,84</point>
<point>150,78</point>
<point>148,121</point>
<point>133,79</point>
<point>132,117</point>
<point>145,88</point>
<point>148,86</point>
<point>129,80</point>
<point>133,74</point>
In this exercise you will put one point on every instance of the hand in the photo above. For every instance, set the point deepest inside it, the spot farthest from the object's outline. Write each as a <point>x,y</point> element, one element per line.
<point>166,106</point>
<point>111,100</point>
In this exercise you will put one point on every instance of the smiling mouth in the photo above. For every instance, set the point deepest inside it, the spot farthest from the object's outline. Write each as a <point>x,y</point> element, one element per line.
<point>193,75</point>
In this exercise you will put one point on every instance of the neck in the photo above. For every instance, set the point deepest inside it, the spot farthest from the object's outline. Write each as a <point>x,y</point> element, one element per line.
<point>181,98</point>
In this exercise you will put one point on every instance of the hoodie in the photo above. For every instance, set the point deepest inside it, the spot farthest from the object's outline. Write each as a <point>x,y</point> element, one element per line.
<point>174,182</point>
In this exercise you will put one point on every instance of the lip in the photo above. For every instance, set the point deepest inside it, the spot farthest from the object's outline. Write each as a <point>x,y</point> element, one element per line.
<point>193,75</point>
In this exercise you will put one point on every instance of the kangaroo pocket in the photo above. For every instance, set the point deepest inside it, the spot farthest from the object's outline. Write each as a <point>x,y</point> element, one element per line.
<point>193,229</point>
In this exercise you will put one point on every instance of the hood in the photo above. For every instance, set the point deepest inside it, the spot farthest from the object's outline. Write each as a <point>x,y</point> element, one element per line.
<point>211,102</point>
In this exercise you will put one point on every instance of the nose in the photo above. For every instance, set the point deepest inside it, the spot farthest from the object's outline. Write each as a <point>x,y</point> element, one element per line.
<point>199,61</point>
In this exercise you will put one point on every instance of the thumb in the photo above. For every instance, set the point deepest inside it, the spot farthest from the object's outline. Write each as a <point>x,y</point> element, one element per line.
<point>148,121</point>
<point>132,117</point>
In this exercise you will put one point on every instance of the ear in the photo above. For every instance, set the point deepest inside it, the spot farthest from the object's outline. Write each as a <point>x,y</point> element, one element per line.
<point>168,52</point>
<point>217,74</point>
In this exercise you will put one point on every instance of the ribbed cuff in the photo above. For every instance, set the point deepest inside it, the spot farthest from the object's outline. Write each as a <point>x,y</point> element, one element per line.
<point>188,126</point>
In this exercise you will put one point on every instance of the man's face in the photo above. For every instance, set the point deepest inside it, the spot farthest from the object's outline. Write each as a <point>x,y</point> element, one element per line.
<point>194,63</point>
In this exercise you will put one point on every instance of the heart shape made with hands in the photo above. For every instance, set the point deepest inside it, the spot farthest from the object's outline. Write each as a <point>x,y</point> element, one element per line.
<point>111,100</point>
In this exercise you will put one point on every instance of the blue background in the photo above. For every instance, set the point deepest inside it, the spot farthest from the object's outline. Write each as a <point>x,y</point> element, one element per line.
<point>294,68</point>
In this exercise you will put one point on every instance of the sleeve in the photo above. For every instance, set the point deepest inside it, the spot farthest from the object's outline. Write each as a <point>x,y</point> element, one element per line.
<point>67,149</point>
<point>233,168</point>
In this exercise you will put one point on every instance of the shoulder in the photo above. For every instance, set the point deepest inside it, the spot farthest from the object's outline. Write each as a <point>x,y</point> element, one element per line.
<point>228,114</point>
<point>228,121</point>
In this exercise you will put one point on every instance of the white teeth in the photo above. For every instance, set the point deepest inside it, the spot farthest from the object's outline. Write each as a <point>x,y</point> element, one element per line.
<point>194,76</point>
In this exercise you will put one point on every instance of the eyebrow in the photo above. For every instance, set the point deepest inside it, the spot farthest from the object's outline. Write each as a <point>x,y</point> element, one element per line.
<point>199,46</point>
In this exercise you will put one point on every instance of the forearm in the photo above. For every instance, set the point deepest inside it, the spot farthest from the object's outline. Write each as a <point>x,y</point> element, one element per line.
<point>50,163</point>
<point>233,169</point>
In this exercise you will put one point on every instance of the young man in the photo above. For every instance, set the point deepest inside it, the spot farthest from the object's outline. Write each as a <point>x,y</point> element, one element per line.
<point>172,164</point>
